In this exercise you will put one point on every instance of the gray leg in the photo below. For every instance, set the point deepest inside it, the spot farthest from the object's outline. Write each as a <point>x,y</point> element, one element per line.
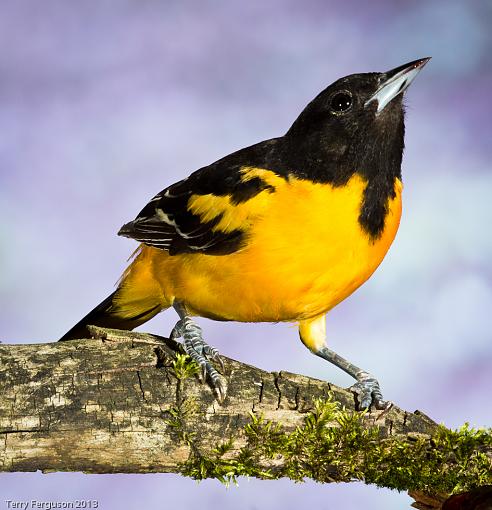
<point>313,336</point>
<point>197,349</point>
<point>366,388</point>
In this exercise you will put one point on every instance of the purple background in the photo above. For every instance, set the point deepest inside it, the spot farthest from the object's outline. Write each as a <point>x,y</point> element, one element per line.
<point>103,104</point>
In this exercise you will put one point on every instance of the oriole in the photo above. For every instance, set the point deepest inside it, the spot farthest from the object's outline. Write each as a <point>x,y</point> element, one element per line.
<point>279,231</point>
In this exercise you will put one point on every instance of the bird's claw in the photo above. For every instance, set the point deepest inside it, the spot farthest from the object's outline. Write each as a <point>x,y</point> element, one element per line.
<point>202,353</point>
<point>368,392</point>
<point>213,355</point>
<point>220,388</point>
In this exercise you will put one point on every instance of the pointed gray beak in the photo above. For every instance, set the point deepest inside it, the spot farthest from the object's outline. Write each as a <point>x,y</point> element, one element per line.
<point>395,82</point>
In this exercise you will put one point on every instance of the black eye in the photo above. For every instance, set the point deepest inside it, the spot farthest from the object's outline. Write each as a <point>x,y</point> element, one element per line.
<point>341,102</point>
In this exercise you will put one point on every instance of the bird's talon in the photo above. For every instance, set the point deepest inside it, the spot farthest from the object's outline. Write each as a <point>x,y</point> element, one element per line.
<point>368,393</point>
<point>213,355</point>
<point>220,387</point>
<point>221,363</point>
<point>203,354</point>
<point>203,376</point>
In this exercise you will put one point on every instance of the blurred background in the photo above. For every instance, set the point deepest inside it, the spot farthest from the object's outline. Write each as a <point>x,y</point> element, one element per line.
<point>103,104</point>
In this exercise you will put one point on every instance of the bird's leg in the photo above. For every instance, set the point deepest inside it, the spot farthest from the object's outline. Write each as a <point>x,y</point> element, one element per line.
<point>367,390</point>
<point>199,350</point>
<point>367,386</point>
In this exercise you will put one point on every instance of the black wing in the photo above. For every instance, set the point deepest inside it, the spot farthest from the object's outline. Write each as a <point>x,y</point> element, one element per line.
<point>167,223</point>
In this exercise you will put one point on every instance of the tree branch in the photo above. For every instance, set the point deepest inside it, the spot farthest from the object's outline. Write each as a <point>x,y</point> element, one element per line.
<point>127,402</point>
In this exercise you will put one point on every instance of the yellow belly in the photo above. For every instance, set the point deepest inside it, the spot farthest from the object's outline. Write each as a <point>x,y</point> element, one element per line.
<point>305,253</point>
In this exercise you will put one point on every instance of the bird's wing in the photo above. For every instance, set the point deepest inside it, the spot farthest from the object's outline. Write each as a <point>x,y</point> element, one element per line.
<point>208,212</point>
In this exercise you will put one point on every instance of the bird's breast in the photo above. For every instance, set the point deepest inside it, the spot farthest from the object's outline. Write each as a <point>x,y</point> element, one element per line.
<point>311,246</point>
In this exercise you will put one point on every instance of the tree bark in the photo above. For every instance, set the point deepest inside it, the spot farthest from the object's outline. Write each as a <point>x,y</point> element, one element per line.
<point>116,403</point>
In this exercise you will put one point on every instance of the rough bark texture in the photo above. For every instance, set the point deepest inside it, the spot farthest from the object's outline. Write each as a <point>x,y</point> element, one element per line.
<point>103,405</point>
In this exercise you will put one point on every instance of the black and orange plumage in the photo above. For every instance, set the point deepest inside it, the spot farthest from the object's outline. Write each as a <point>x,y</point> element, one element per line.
<point>280,231</point>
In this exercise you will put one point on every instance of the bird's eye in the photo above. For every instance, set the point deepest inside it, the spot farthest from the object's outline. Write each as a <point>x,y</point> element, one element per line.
<point>341,102</point>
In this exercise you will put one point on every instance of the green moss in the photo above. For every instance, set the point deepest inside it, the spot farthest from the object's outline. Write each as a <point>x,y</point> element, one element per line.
<point>335,444</point>
<point>183,366</point>
<point>177,416</point>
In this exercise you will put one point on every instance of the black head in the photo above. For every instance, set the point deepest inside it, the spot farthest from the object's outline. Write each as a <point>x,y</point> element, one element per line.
<point>355,125</point>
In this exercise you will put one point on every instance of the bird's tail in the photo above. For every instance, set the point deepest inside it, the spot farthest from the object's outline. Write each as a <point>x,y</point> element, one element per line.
<point>137,299</point>
<point>108,315</point>
<point>100,316</point>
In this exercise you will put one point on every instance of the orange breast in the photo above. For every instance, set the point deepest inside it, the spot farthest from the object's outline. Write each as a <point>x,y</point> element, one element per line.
<point>305,253</point>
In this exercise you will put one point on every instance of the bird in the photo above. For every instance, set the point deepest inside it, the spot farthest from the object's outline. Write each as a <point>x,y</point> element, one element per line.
<point>280,231</point>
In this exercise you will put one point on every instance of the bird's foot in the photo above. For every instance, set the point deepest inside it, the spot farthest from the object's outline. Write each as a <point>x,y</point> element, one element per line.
<point>202,353</point>
<point>368,392</point>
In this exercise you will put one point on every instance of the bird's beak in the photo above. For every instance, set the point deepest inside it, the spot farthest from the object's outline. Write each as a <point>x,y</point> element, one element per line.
<point>395,82</point>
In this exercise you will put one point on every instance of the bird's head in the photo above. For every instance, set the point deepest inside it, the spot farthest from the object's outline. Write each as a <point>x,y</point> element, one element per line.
<point>357,120</point>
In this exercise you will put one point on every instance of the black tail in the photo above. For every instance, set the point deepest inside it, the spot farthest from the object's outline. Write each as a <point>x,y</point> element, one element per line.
<point>105,316</point>
<point>100,316</point>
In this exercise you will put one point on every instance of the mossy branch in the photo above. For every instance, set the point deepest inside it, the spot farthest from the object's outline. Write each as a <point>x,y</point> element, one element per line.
<point>132,402</point>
